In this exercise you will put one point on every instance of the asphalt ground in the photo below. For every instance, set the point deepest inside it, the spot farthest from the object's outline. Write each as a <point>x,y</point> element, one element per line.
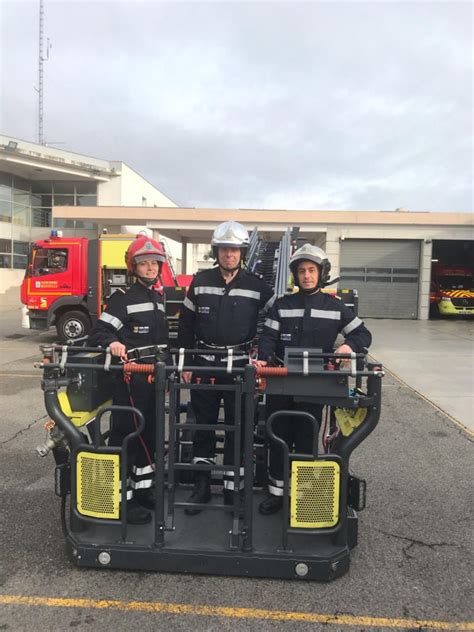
<point>411,569</point>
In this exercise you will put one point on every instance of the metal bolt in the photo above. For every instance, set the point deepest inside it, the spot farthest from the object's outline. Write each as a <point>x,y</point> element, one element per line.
<point>301,569</point>
<point>104,558</point>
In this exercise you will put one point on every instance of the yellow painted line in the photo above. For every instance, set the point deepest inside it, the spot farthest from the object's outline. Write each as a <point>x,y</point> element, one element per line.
<point>235,613</point>
<point>455,421</point>
<point>20,375</point>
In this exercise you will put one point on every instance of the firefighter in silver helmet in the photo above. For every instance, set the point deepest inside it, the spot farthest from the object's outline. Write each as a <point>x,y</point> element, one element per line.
<point>220,312</point>
<point>307,319</point>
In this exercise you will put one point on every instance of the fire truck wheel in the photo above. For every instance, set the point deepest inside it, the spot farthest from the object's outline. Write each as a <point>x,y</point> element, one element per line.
<point>72,325</point>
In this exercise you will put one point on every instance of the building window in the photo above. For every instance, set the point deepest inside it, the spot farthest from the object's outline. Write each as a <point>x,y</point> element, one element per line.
<point>20,254</point>
<point>40,217</point>
<point>5,253</point>
<point>25,203</point>
<point>63,200</point>
<point>21,215</point>
<point>86,200</point>
<point>86,188</point>
<point>5,211</point>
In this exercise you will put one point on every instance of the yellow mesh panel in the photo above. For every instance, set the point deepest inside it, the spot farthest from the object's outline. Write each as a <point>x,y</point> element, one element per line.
<point>98,485</point>
<point>314,494</point>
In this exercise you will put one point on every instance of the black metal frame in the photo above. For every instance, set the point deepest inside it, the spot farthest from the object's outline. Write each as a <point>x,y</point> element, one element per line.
<point>255,548</point>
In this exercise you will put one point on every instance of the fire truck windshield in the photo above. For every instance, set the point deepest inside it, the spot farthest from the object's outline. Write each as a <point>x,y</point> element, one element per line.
<point>48,261</point>
<point>455,282</point>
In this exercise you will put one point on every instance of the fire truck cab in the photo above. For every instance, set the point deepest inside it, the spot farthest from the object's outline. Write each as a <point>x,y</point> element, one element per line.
<point>452,291</point>
<point>69,280</point>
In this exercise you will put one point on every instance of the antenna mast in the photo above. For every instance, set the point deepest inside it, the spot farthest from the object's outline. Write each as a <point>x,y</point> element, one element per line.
<point>40,75</point>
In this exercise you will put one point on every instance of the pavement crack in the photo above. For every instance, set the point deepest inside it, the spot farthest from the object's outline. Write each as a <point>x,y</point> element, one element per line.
<point>413,541</point>
<point>22,430</point>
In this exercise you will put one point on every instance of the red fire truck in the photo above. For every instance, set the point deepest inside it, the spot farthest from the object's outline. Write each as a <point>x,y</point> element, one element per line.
<point>69,280</point>
<point>452,291</point>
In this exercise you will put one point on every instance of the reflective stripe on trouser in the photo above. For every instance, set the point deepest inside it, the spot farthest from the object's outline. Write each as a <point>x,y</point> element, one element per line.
<point>142,477</point>
<point>229,479</point>
<point>275,487</point>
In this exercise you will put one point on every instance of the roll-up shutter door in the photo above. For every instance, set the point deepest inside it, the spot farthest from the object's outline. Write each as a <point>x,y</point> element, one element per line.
<point>385,273</point>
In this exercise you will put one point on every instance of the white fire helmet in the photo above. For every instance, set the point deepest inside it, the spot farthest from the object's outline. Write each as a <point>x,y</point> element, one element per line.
<point>230,234</point>
<point>308,252</point>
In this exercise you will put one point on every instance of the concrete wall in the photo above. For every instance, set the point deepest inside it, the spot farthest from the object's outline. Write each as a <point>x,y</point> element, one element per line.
<point>110,193</point>
<point>136,191</point>
<point>9,279</point>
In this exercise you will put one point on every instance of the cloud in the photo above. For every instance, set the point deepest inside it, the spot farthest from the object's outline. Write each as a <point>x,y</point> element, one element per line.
<point>271,104</point>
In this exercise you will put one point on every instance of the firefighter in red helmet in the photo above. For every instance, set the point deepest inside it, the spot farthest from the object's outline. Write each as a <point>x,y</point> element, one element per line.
<point>134,327</point>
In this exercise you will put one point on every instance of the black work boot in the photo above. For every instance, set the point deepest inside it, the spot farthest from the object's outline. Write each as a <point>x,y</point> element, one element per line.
<point>201,492</point>
<point>136,514</point>
<point>270,505</point>
<point>146,498</point>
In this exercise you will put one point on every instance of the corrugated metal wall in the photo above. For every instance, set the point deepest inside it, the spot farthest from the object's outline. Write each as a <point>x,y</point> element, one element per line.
<point>386,274</point>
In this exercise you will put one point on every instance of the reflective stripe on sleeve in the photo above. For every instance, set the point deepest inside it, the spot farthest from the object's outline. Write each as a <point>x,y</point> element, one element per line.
<point>140,307</point>
<point>189,304</point>
<point>355,322</point>
<point>111,320</point>
<point>291,313</point>
<point>204,289</point>
<point>245,293</point>
<point>273,324</point>
<point>322,313</point>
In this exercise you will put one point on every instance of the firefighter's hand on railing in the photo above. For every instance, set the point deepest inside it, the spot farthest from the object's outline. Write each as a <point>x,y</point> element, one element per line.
<point>344,362</point>
<point>259,363</point>
<point>187,376</point>
<point>118,350</point>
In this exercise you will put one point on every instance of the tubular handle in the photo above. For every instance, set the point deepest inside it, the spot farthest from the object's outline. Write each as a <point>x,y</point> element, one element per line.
<point>131,367</point>
<point>267,371</point>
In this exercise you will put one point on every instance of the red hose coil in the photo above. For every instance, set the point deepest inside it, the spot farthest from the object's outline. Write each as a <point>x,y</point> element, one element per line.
<point>131,367</point>
<point>267,371</point>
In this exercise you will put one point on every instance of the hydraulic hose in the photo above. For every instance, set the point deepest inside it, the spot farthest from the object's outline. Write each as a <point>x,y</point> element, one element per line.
<point>53,409</point>
<point>272,371</point>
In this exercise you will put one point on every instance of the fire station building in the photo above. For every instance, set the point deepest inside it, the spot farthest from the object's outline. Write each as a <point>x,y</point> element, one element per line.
<point>386,255</point>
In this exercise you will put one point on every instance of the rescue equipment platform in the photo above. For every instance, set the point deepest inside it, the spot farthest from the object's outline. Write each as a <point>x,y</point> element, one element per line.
<point>310,538</point>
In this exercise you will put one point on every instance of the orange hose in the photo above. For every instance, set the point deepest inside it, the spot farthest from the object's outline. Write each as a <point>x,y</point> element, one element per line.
<point>131,367</point>
<point>267,371</point>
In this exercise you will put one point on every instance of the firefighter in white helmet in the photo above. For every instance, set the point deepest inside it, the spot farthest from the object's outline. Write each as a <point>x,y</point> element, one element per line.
<point>220,312</point>
<point>307,319</point>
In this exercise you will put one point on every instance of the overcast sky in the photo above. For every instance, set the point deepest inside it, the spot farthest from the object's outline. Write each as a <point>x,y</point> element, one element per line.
<point>313,105</point>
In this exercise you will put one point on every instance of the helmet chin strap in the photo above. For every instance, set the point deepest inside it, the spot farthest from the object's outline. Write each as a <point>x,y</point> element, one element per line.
<point>230,269</point>
<point>146,281</point>
<point>312,290</point>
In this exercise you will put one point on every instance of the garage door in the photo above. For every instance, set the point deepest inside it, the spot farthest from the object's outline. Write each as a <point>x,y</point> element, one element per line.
<point>385,273</point>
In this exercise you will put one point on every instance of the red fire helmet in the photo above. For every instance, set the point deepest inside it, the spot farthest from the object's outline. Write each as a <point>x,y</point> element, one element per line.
<point>142,249</point>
